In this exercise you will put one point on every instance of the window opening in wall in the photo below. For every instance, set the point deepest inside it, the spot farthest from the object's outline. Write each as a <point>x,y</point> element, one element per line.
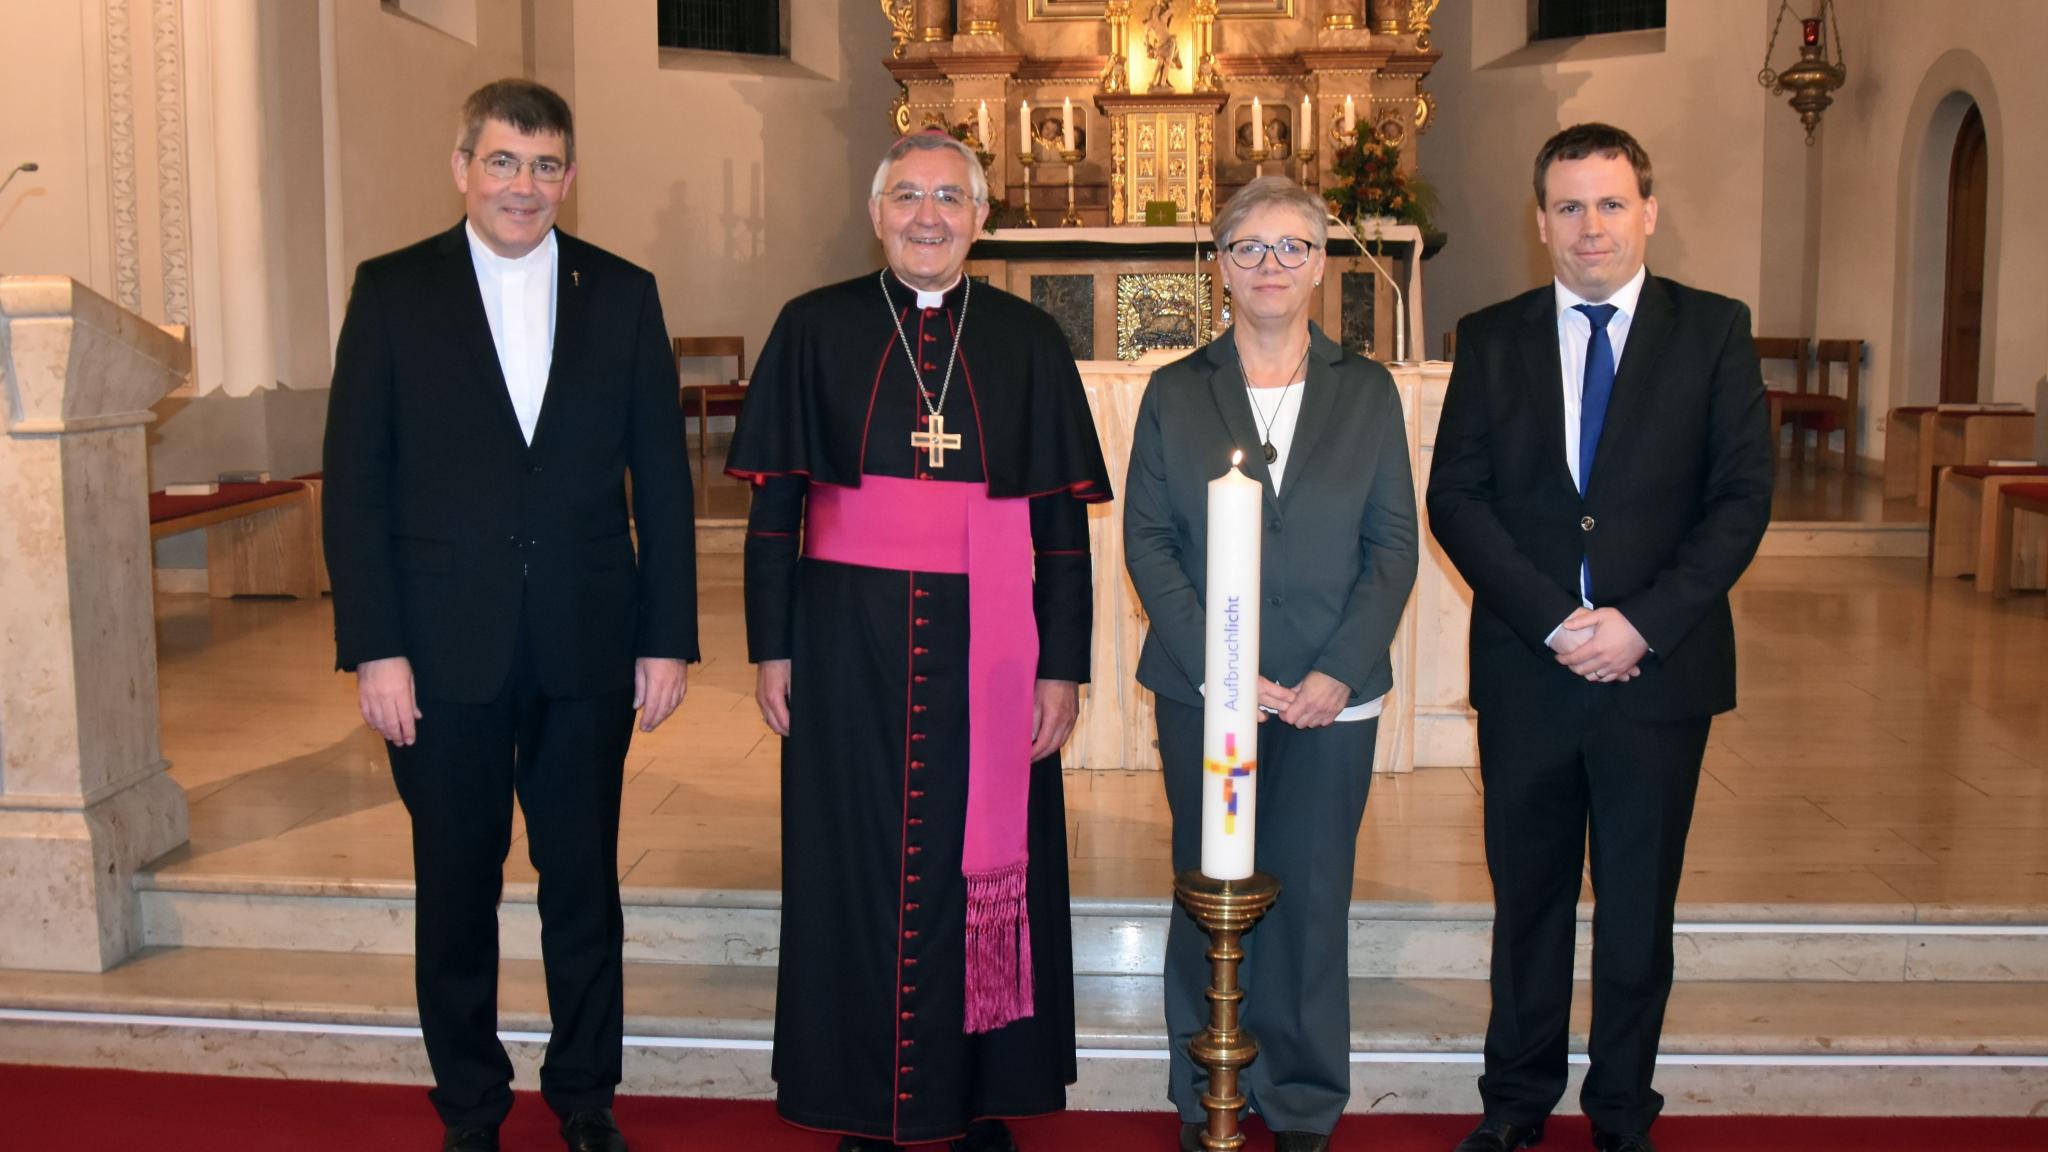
<point>750,26</point>
<point>1559,19</point>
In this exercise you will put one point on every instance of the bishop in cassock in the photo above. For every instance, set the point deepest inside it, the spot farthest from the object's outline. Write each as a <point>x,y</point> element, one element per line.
<point>919,605</point>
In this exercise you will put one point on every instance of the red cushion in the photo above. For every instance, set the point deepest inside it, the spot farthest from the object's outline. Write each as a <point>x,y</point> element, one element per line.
<point>162,507</point>
<point>2033,492</point>
<point>310,476</point>
<point>1913,410</point>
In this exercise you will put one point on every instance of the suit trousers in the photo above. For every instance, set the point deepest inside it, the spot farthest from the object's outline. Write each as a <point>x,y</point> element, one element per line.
<point>1587,781</point>
<point>565,759</point>
<point>1312,786</point>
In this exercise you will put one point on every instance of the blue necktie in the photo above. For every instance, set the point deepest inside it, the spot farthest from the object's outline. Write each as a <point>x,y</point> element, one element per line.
<point>1599,386</point>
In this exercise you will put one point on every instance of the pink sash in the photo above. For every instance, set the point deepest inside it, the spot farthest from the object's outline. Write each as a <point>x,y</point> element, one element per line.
<point>937,526</point>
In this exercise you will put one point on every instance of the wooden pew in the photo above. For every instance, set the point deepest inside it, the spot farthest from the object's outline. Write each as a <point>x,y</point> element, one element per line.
<point>2013,500</point>
<point>1962,534</point>
<point>261,539</point>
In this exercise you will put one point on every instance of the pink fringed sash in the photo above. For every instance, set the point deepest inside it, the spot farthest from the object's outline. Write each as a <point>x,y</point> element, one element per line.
<point>928,526</point>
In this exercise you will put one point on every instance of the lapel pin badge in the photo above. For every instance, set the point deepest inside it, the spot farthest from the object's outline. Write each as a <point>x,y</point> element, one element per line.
<point>575,278</point>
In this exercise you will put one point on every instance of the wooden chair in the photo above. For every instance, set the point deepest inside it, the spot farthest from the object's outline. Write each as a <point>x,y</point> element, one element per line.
<point>1820,409</point>
<point>712,399</point>
<point>1797,349</point>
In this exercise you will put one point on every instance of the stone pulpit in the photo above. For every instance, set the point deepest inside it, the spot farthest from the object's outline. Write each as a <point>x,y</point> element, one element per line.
<point>85,796</point>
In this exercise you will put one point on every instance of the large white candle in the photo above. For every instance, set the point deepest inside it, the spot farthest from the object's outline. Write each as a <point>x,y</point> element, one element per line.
<point>1230,676</point>
<point>1258,127</point>
<point>1024,127</point>
<point>1067,123</point>
<point>981,125</point>
<point>1305,134</point>
<point>1350,117</point>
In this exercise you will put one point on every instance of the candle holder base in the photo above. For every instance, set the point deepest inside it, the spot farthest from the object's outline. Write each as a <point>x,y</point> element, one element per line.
<point>1226,909</point>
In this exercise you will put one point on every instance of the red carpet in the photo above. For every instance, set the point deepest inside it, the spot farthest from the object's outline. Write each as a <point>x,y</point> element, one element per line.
<point>93,1110</point>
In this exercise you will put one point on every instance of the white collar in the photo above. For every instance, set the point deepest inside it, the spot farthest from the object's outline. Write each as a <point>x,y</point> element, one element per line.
<point>543,254</point>
<point>934,299</point>
<point>1624,298</point>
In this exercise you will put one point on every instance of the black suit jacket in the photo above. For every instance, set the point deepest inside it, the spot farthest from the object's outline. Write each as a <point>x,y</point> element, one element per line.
<point>1337,555</point>
<point>1678,501</point>
<point>447,535</point>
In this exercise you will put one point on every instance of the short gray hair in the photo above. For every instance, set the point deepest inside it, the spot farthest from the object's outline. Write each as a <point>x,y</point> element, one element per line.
<point>1271,191</point>
<point>931,140</point>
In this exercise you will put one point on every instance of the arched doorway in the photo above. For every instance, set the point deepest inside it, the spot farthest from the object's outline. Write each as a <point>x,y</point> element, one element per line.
<point>1962,322</point>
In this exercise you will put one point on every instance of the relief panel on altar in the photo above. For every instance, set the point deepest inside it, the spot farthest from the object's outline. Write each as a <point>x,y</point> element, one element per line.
<point>1358,294</point>
<point>1070,298</point>
<point>1161,311</point>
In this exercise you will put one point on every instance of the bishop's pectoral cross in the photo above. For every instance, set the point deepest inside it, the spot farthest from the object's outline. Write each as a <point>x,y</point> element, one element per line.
<point>935,442</point>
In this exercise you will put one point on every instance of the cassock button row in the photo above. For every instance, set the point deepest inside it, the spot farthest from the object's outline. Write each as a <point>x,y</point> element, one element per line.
<point>912,878</point>
<point>912,851</point>
<point>909,1015</point>
<point>920,651</point>
<point>917,765</point>
<point>917,821</point>
<point>917,737</point>
<point>910,933</point>
<point>903,1095</point>
<point>930,367</point>
<point>919,679</point>
<point>906,1043</point>
<point>919,709</point>
<point>910,906</point>
<point>910,961</point>
<point>921,621</point>
<point>917,793</point>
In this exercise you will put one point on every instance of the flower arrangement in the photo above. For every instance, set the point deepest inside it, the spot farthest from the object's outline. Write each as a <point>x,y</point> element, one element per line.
<point>1368,183</point>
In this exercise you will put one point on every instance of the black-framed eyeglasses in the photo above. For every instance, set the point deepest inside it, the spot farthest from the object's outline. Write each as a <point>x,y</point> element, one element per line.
<point>1288,251</point>
<point>505,166</point>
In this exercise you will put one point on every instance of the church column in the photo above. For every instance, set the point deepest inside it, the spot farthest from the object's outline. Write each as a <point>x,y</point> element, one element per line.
<point>236,347</point>
<point>1343,15</point>
<point>934,20</point>
<point>85,798</point>
<point>980,17</point>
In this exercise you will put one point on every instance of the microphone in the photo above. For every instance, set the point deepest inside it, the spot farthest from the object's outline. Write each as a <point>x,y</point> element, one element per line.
<point>24,166</point>
<point>1400,297</point>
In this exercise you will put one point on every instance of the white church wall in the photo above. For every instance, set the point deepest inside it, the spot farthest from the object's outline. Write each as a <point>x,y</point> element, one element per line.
<point>52,65</point>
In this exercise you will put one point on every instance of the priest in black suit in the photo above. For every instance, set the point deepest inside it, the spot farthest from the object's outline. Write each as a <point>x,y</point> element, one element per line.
<point>1602,477</point>
<point>493,387</point>
<point>919,606</point>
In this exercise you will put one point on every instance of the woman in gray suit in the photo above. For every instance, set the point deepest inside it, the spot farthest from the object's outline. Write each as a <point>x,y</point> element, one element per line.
<point>1321,430</point>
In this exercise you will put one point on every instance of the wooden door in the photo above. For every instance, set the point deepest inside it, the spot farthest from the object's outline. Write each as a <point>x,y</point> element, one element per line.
<point>1962,323</point>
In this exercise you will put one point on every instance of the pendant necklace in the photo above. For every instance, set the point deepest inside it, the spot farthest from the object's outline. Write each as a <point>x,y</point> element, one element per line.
<point>935,443</point>
<point>1266,426</point>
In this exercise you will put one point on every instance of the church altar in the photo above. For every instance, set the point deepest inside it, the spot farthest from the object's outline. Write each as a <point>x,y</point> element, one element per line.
<point>1427,721</point>
<point>1120,293</point>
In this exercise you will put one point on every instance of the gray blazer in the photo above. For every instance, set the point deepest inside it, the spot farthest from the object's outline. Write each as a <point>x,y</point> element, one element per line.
<point>1339,543</point>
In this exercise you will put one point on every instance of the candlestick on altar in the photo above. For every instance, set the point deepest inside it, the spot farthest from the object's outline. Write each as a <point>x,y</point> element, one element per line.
<point>1066,124</point>
<point>1258,127</point>
<point>981,126</point>
<point>1259,157</point>
<point>1072,219</point>
<point>1350,118</point>
<point>1025,160</point>
<point>1227,896</point>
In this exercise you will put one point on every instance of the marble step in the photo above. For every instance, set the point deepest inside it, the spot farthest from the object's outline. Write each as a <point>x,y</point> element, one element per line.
<point>1883,539</point>
<point>1786,1047</point>
<point>1127,937</point>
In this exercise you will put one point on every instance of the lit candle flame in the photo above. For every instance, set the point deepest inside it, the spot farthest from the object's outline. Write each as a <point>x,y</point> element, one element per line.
<point>1237,458</point>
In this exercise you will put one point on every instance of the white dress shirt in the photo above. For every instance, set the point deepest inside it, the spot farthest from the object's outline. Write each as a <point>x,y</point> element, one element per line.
<point>1574,332</point>
<point>519,300</point>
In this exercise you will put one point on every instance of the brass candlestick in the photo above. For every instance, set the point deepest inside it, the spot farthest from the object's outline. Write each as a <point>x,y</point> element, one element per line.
<point>1307,156</point>
<point>1226,909</point>
<point>1027,159</point>
<point>1258,158</point>
<point>1072,156</point>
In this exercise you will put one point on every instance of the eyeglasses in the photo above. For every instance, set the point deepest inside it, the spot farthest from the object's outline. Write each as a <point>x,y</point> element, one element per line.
<point>1288,252</point>
<point>907,200</point>
<point>505,166</point>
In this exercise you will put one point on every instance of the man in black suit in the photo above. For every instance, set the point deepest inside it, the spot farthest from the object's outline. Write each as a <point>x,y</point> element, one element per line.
<point>1602,477</point>
<point>493,387</point>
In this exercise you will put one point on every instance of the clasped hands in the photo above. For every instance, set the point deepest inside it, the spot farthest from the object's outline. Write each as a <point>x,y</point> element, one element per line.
<point>1313,703</point>
<point>1601,645</point>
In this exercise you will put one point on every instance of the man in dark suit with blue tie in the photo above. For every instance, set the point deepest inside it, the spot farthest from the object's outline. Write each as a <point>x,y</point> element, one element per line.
<point>1602,477</point>
<point>502,607</point>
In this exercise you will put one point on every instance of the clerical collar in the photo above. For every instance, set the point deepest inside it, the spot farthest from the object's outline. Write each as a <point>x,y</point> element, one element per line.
<point>486,259</point>
<point>928,299</point>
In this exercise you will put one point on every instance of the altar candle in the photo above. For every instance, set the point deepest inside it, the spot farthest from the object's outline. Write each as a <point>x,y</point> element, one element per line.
<point>1024,126</point>
<point>1067,123</point>
<point>1307,131</point>
<point>1230,675</point>
<point>981,125</point>
<point>1350,117</point>
<point>1258,127</point>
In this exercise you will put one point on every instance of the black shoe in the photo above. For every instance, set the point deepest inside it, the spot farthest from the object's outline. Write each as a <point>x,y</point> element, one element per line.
<point>866,1144</point>
<point>471,1138</point>
<point>1300,1142</point>
<point>592,1130</point>
<point>986,1136</point>
<point>1494,1135</point>
<point>1191,1135</point>
<point>1622,1141</point>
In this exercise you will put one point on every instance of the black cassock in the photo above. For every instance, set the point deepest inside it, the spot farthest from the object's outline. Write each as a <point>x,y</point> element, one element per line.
<point>869,997</point>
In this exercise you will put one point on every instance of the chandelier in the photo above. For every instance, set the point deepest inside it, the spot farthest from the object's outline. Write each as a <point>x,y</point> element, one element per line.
<point>1811,80</point>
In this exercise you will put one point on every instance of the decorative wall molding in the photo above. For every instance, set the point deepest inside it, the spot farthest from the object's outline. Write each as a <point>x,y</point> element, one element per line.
<point>121,156</point>
<point>167,19</point>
